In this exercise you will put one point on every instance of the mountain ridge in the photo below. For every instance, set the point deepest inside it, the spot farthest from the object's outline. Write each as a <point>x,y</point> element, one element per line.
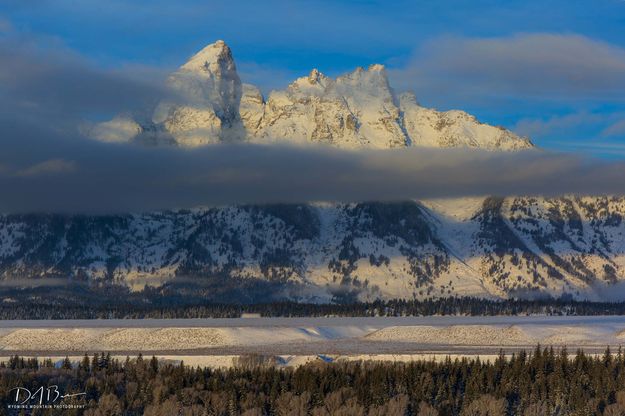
<point>355,110</point>
<point>483,247</point>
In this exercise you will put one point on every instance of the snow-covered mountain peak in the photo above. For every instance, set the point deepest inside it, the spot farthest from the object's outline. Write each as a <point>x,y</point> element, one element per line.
<point>210,79</point>
<point>356,110</point>
<point>213,58</point>
<point>316,77</point>
<point>377,68</point>
<point>374,75</point>
<point>210,91</point>
<point>315,83</point>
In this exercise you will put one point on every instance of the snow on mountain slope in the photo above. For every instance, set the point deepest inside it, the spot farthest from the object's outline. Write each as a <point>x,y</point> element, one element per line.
<point>431,128</point>
<point>356,110</point>
<point>353,111</point>
<point>211,92</point>
<point>488,247</point>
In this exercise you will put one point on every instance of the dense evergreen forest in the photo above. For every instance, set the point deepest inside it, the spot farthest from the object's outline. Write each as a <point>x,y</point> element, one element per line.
<point>171,308</point>
<point>543,382</point>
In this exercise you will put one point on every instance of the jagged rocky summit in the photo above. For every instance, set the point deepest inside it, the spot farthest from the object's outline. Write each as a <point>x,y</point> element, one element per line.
<point>355,110</point>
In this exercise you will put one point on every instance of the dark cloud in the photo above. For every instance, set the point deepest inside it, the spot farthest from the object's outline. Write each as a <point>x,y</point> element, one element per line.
<point>75,175</point>
<point>48,167</point>
<point>42,80</point>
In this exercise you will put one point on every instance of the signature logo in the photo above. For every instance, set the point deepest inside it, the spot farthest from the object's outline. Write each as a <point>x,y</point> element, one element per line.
<point>51,395</point>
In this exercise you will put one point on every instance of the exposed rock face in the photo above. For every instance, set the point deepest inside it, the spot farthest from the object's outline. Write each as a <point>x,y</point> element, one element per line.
<point>479,247</point>
<point>252,107</point>
<point>356,110</point>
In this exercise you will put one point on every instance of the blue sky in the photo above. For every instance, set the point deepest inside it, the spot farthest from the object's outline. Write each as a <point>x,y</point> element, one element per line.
<point>552,69</point>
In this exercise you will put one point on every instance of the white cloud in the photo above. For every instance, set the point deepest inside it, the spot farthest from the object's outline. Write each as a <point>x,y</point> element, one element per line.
<point>539,65</point>
<point>582,130</point>
<point>542,127</point>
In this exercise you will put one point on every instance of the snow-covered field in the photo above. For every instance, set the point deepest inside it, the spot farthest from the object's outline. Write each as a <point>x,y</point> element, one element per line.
<point>294,341</point>
<point>205,339</point>
<point>166,339</point>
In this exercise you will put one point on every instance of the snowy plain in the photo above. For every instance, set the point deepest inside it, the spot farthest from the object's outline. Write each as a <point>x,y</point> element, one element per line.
<point>295,341</point>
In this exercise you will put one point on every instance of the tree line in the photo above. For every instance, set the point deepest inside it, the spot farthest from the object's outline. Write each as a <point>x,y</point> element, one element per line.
<point>461,306</point>
<point>543,382</point>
